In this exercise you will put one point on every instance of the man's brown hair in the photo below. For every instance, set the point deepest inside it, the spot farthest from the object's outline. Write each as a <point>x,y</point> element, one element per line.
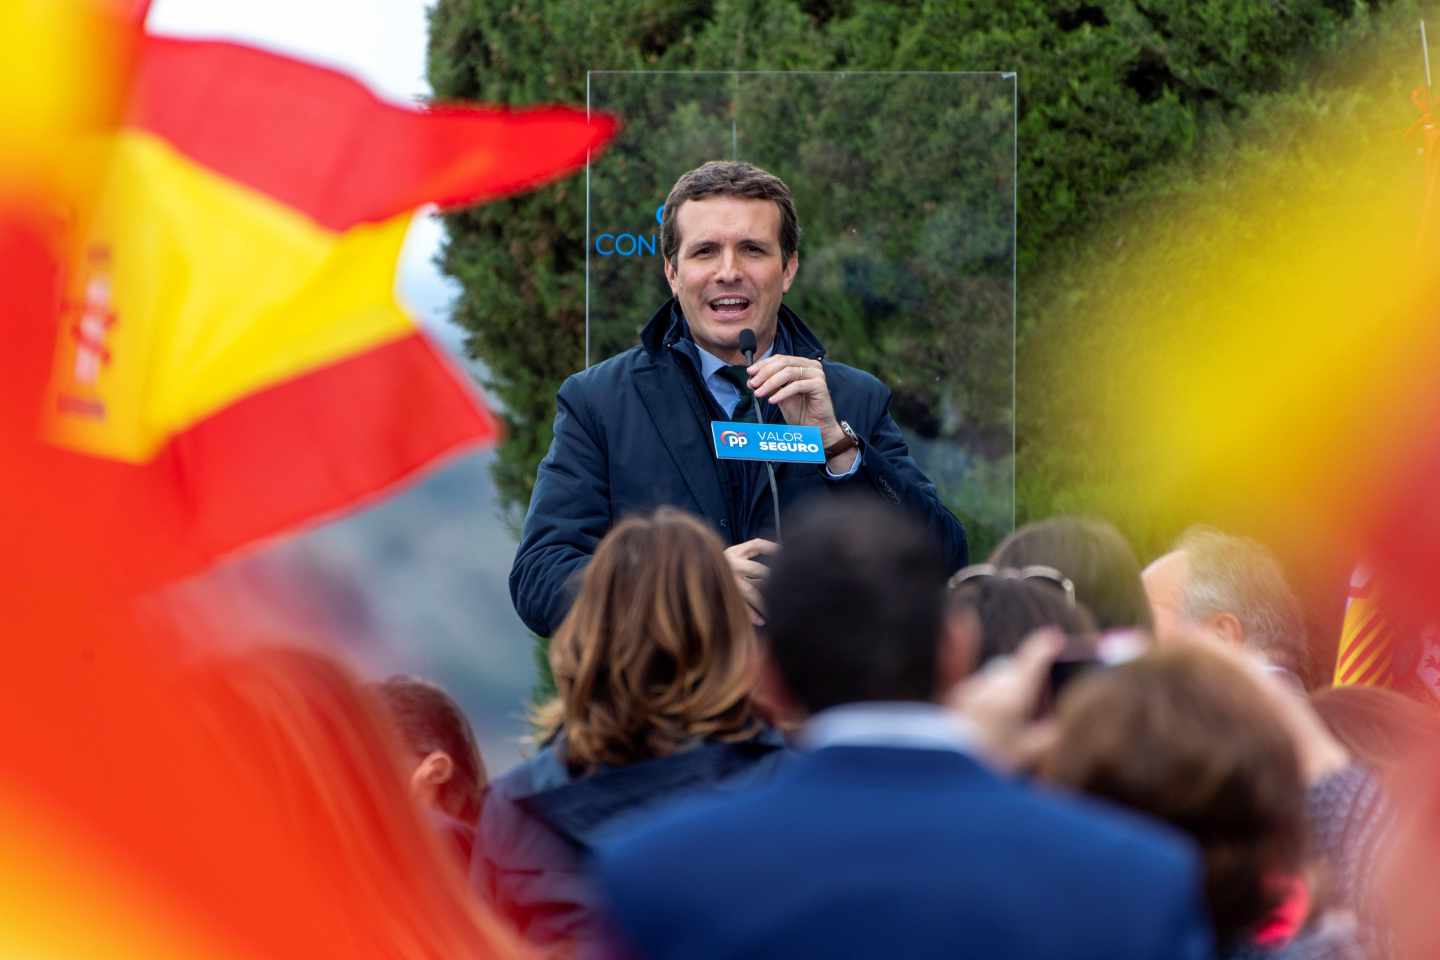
<point>429,719</point>
<point>729,178</point>
<point>657,652</point>
<point>1189,737</point>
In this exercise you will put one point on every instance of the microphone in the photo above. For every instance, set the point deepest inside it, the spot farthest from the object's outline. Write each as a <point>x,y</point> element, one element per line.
<point>748,346</point>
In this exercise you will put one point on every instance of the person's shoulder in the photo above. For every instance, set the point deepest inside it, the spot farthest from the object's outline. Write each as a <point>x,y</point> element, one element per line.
<point>505,794</point>
<point>837,372</point>
<point>696,821</point>
<point>846,381</point>
<point>605,373</point>
<point>507,829</point>
<point>1117,842</point>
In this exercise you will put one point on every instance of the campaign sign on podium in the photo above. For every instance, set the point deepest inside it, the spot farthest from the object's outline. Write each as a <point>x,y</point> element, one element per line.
<point>771,442</point>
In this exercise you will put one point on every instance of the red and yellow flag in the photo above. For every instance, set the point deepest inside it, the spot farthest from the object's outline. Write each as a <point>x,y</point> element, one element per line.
<point>231,359</point>
<point>202,347</point>
<point>1366,638</point>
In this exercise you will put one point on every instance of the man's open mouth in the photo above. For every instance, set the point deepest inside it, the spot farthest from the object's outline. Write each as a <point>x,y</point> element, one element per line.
<point>724,305</point>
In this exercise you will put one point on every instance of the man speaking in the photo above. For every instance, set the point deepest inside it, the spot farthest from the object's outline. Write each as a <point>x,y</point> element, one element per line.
<point>633,433</point>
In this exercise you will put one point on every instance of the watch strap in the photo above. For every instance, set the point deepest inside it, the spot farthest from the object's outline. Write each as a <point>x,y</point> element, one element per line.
<point>847,442</point>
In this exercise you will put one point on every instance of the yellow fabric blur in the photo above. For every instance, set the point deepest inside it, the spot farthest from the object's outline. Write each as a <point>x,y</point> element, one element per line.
<point>58,81</point>
<point>59,901</point>
<point>1259,354</point>
<point>191,291</point>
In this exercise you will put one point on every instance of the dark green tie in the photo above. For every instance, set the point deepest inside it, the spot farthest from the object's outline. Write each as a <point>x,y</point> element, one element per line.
<point>736,374</point>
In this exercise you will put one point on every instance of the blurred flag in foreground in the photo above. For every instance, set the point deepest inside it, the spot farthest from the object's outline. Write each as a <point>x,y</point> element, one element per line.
<point>1371,652</point>
<point>229,358</point>
<point>1261,353</point>
<point>201,348</point>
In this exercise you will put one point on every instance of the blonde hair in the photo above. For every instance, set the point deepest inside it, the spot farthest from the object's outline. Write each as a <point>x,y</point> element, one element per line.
<point>657,651</point>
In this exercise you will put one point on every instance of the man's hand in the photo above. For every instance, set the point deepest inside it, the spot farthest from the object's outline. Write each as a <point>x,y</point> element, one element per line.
<point>1318,750</point>
<point>797,386</point>
<point>999,701</point>
<point>750,573</point>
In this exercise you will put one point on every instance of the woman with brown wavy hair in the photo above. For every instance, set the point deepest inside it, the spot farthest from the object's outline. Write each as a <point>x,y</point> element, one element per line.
<point>655,669</point>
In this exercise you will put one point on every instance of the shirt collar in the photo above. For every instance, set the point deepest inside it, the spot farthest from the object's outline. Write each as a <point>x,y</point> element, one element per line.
<point>922,726</point>
<point>711,364</point>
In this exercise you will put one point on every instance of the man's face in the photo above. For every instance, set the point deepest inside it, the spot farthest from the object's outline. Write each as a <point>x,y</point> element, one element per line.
<point>1164,587</point>
<point>728,274</point>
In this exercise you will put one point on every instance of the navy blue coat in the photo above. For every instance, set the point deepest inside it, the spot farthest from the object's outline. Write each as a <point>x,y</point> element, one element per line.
<point>629,438</point>
<point>540,825</point>
<point>874,851</point>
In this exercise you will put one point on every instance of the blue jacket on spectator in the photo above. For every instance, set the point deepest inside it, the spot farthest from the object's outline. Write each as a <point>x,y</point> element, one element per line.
<point>540,824</point>
<point>631,434</point>
<point>875,851</point>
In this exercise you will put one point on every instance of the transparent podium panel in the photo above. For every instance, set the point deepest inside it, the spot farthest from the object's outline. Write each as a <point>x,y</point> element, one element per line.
<point>904,185</point>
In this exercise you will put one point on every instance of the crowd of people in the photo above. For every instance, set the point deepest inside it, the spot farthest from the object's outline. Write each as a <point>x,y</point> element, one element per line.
<point>1051,754</point>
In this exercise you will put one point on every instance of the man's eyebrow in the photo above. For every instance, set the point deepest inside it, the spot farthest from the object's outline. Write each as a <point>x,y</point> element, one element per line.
<point>702,243</point>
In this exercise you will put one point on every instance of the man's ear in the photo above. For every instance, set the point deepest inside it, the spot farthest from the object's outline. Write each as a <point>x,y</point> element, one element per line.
<point>959,648</point>
<point>790,269</point>
<point>437,768</point>
<point>772,697</point>
<point>672,276</point>
<point>1227,627</point>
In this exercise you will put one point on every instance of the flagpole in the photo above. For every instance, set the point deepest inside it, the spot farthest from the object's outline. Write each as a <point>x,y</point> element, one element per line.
<point>1425,52</point>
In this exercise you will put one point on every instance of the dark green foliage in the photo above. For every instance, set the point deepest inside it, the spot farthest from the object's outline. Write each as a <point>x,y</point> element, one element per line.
<point>1120,102</point>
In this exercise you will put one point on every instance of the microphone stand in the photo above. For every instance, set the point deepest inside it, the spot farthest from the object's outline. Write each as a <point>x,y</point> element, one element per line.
<point>748,351</point>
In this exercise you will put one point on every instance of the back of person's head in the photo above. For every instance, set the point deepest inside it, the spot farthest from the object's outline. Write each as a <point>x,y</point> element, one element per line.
<point>1239,577</point>
<point>657,652</point>
<point>1188,736</point>
<point>438,735</point>
<point>853,607</point>
<point>299,742</point>
<point>1097,559</point>
<point>1003,610</point>
<point>1383,729</point>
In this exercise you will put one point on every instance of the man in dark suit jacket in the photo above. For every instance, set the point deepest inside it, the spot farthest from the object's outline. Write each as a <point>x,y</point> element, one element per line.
<point>632,433</point>
<point>889,836</point>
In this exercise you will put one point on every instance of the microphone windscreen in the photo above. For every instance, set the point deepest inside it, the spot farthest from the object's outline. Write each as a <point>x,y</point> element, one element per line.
<point>747,341</point>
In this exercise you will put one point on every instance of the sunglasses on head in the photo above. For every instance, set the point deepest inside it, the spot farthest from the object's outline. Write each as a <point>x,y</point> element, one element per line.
<point>1040,572</point>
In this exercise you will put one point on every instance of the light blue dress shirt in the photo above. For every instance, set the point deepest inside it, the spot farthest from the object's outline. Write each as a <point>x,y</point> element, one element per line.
<point>923,726</point>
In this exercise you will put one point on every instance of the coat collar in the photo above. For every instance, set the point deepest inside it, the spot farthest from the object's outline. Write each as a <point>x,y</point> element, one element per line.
<point>578,808</point>
<point>666,327</point>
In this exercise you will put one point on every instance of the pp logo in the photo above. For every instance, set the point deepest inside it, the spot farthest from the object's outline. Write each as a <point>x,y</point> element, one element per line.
<point>733,438</point>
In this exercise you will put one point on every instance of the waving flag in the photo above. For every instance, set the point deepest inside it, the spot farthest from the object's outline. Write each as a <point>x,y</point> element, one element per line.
<point>230,358</point>
<point>202,347</point>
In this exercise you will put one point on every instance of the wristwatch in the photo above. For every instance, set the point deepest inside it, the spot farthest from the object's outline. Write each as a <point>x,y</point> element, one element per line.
<point>846,442</point>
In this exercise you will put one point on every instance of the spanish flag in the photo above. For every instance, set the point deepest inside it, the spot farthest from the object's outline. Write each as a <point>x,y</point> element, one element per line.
<point>196,352</point>
<point>230,359</point>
